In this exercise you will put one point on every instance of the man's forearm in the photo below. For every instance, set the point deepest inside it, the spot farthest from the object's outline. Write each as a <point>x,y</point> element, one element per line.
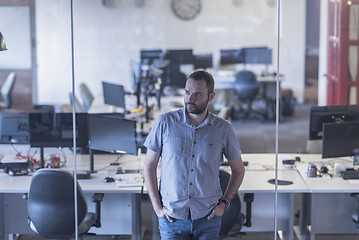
<point>233,186</point>
<point>153,192</point>
<point>235,181</point>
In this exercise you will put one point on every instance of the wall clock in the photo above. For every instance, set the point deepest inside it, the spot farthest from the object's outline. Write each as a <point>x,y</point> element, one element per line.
<point>186,9</point>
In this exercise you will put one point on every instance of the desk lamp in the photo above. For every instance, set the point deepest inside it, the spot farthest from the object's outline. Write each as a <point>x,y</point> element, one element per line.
<point>2,43</point>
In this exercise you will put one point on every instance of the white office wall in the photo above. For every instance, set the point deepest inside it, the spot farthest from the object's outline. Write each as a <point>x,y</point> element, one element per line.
<point>106,39</point>
<point>15,27</point>
<point>292,46</point>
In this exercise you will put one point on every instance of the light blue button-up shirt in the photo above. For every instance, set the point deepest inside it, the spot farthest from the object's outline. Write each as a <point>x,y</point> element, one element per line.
<point>190,161</point>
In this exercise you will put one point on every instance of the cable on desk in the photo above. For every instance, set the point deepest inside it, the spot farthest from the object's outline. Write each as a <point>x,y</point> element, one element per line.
<point>117,159</point>
<point>109,165</point>
<point>17,151</point>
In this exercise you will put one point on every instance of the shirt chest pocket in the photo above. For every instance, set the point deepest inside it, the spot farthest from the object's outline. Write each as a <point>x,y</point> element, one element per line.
<point>175,145</point>
<point>212,150</point>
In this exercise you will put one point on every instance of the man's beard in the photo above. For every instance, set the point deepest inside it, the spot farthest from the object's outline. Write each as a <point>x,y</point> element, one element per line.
<point>195,109</point>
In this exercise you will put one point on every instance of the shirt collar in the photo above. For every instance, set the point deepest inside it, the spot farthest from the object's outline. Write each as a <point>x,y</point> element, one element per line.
<point>207,121</point>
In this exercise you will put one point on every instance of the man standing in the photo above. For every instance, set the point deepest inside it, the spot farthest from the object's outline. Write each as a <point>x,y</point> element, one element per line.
<point>191,143</point>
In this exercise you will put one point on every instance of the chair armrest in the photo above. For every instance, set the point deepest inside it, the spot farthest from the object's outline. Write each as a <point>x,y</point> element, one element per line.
<point>248,198</point>
<point>97,199</point>
<point>25,196</point>
<point>355,195</point>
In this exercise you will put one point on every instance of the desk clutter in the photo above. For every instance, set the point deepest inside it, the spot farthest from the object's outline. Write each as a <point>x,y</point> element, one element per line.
<point>129,179</point>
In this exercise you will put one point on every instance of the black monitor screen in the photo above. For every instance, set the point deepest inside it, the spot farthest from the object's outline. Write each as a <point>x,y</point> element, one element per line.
<point>203,61</point>
<point>112,134</point>
<point>147,56</point>
<point>327,114</point>
<point>14,128</point>
<point>55,130</point>
<point>258,55</point>
<point>231,56</point>
<point>114,94</point>
<point>340,139</point>
<point>180,56</point>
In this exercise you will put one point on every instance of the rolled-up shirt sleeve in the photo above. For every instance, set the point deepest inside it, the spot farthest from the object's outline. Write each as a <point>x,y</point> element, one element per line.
<point>154,138</point>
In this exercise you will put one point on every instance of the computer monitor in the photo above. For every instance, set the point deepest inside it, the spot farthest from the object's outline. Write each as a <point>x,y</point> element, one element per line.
<point>149,55</point>
<point>14,128</point>
<point>231,56</point>
<point>340,139</point>
<point>258,55</point>
<point>326,114</point>
<point>180,56</point>
<point>112,134</point>
<point>56,130</point>
<point>203,61</point>
<point>114,94</point>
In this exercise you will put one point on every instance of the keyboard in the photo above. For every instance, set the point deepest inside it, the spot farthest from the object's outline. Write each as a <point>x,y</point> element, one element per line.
<point>350,174</point>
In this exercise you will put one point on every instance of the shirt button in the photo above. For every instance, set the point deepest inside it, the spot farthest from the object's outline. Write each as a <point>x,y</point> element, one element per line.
<point>191,184</point>
<point>192,170</point>
<point>195,142</point>
<point>192,155</point>
<point>189,197</point>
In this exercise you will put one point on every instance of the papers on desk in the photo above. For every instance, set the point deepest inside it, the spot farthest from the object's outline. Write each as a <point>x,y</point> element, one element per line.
<point>129,180</point>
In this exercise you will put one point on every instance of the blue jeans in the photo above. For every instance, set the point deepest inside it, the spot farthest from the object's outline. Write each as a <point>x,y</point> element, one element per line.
<point>199,229</point>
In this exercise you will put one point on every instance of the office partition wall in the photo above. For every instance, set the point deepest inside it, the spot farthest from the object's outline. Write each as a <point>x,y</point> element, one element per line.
<point>107,35</point>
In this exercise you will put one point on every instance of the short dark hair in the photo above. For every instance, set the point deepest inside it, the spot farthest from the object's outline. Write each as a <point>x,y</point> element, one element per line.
<point>203,75</point>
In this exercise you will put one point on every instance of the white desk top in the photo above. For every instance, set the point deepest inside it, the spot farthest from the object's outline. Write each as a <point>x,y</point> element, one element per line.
<point>257,181</point>
<point>260,169</point>
<point>326,183</point>
<point>266,162</point>
<point>21,184</point>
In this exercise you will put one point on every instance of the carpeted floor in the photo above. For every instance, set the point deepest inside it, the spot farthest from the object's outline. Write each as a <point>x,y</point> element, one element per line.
<point>259,137</point>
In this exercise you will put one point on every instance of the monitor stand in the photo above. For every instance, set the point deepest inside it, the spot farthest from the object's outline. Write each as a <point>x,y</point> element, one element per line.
<point>42,157</point>
<point>91,156</point>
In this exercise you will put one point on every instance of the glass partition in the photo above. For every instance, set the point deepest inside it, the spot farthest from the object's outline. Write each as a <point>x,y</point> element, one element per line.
<point>147,48</point>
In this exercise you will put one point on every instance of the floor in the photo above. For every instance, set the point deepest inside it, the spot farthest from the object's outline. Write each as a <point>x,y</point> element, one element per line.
<point>254,137</point>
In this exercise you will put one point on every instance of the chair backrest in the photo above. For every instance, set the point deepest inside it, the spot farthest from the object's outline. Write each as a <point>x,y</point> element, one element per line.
<point>78,106</point>
<point>87,97</point>
<point>246,85</point>
<point>232,215</point>
<point>51,203</point>
<point>6,90</point>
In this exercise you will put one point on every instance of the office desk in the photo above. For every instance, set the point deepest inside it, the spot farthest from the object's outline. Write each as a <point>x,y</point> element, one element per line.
<point>263,206</point>
<point>120,208</point>
<point>328,207</point>
<point>261,168</point>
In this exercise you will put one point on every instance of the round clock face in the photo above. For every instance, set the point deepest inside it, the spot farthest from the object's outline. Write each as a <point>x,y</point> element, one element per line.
<point>186,9</point>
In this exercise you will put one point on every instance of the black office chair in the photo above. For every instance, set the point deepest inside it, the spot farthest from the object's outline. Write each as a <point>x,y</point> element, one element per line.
<point>51,207</point>
<point>355,216</point>
<point>232,219</point>
<point>246,88</point>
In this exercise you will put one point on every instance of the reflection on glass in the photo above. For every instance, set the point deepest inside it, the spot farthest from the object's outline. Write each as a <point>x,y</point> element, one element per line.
<point>353,22</point>
<point>333,21</point>
<point>334,59</point>
<point>353,62</point>
<point>352,95</point>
